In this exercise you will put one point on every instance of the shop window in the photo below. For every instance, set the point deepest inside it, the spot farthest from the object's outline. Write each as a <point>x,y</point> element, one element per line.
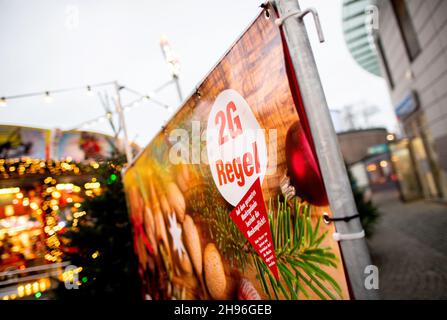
<point>406,28</point>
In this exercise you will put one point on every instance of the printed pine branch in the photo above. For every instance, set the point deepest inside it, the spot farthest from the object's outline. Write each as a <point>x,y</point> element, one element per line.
<point>228,238</point>
<point>300,256</point>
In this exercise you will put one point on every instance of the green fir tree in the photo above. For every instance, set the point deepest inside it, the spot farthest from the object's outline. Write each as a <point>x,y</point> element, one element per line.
<point>103,243</point>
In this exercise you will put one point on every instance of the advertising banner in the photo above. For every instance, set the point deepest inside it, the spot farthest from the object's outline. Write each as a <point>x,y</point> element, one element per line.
<point>82,145</point>
<point>23,142</point>
<point>227,201</point>
<point>45,144</point>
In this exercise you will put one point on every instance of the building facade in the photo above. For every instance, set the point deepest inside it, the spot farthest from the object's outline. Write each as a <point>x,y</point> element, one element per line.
<point>410,39</point>
<point>367,155</point>
<point>355,145</point>
<point>357,34</point>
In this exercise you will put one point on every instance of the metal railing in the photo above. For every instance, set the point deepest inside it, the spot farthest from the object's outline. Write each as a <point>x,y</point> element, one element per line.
<point>32,273</point>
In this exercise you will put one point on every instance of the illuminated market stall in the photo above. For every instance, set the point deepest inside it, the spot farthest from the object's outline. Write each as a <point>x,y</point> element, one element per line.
<point>39,199</point>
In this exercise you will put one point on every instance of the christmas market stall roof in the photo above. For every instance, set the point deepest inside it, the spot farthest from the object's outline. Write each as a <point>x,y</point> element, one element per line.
<point>45,144</point>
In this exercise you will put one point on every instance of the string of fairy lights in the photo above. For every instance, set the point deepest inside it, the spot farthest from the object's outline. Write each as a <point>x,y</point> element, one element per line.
<point>138,101</point>
<point>48,94</point>
<point>48,97</point>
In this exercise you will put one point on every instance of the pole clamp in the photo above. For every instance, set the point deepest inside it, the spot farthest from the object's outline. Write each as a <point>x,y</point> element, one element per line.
<point>348,236</point>
<point>300,15</point>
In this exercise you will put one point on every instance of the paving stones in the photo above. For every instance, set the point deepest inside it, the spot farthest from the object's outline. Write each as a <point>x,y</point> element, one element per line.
<point>409,246</point>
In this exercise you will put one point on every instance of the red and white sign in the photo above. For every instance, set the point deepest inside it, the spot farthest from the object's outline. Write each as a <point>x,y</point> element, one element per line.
<point>237,152</point>
<point>250,215</point>
<point>237,155</point>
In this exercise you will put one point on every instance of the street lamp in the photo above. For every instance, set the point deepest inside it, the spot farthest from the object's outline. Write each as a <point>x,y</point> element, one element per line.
<point>390,137</point>
<point>173,62</point>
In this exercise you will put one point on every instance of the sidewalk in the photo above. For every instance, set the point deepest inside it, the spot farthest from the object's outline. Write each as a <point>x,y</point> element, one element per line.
<point>409,246</point>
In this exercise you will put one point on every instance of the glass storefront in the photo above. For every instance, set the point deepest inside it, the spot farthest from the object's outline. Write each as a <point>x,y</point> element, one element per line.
<point>406,174</point>
<point>424,159</point>
<point>423,167</point>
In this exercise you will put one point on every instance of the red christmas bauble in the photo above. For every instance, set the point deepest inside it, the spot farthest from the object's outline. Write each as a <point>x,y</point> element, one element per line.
<point>303,169</point>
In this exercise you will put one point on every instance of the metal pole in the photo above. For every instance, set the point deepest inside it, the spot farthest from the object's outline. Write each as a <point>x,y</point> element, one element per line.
<point>355,252</point>
<point>173,62</point>
<point>122,121</point>
<point>179,90</point>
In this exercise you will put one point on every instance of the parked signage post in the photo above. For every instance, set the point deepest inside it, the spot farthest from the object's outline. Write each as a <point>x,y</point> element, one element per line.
<point>355,252</point>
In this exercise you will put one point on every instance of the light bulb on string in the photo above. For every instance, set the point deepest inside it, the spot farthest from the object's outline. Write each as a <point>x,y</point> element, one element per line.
<point>48,98</point>
<point>89,91</point>
<point>3,102</point>
<point>149,96</point>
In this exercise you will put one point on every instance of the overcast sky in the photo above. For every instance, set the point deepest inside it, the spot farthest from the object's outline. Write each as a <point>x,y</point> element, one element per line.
<point>44,48</point>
